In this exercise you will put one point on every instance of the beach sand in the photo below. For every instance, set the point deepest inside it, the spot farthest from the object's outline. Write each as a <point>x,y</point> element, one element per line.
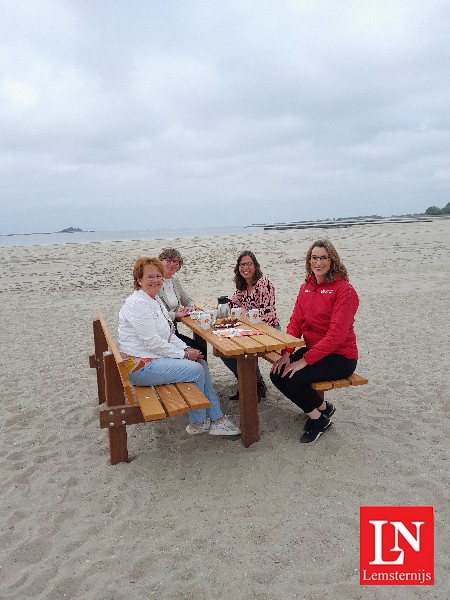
<point>204,517</point>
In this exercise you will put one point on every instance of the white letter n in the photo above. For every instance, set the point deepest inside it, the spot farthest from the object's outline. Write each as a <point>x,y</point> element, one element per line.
<point>399,527</point>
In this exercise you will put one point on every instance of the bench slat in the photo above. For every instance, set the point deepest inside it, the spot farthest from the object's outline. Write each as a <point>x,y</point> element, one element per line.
<point>192,396</point>
<point>356,379</point>
<point>340,383</point>
<point>270,343</point>
<point>322,386</point>
<point>149,403</point>
<point>172,400</point>
<point>272,357</point>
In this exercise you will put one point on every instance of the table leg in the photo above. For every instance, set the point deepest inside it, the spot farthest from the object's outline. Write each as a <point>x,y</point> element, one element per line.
<point>248,399</point>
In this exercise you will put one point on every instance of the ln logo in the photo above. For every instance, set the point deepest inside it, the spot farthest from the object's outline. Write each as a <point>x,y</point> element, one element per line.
<point>396,545</point>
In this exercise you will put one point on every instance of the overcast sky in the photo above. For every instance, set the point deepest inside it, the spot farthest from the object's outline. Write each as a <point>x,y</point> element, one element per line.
<point>128,114</point>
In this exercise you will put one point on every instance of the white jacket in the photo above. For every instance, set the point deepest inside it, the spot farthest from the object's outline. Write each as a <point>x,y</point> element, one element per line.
<point>145,329</point>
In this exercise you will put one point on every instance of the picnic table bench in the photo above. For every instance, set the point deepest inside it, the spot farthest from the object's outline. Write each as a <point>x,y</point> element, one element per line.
<point>322,386</point>
<point>122,404</point>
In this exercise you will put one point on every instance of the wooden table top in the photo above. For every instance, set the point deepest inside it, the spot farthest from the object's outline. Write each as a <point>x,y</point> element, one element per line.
<point>272,339</point>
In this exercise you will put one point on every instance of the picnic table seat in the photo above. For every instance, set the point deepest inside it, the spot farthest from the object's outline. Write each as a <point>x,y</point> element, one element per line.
<point>323,386</point>
<point>122,404</point>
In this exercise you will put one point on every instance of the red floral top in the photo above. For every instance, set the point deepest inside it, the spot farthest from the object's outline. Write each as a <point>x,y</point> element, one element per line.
<point>262,297</point>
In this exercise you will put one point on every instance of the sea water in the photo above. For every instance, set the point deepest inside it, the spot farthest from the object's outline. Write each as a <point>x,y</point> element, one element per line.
<point>84,237</point>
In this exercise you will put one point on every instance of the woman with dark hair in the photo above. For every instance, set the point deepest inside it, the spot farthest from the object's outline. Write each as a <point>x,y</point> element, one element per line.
<point>323,314</point>
<point>254,290</point>
<point>154,355</point>
<point>174,297</point>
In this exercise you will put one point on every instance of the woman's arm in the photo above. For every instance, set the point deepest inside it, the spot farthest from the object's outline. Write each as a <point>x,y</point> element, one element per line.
<point>144,322</point>
<point>342,318</point>
<point>236,299</point>
<point>295,322</point>
<point>183,296</point>
<point>265,300</point>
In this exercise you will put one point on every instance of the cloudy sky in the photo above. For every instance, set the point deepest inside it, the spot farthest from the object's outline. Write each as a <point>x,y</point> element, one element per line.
<point>136,114</point>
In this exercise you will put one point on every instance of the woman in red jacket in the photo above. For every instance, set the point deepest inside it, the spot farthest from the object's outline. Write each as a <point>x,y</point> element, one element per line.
<point>324,314</point>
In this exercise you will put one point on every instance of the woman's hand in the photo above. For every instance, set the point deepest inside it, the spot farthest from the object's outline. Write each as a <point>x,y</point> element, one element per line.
<point>281,362</point>
<point>293,367</point>
<point>192,354</point>
<point>183,312</point>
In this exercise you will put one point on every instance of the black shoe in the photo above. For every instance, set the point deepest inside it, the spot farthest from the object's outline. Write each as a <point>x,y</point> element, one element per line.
<point>329,410</point>
<point>314,429</point>
<point>235,396</point>
<point>261,390</point>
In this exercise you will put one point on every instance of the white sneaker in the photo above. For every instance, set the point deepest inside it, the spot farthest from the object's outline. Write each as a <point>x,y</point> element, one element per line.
<point>201,428</point>
<point>224,427</point>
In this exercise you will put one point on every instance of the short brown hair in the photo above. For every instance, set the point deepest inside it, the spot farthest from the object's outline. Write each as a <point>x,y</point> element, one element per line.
<point>138,270</point>
<point>171,253</point>
<point>336,268</point>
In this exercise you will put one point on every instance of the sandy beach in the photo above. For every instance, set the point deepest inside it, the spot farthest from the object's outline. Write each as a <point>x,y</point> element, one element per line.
<point>203,517</point>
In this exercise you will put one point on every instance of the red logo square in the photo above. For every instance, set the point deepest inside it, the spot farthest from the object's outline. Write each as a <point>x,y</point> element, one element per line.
<point>396,545</point>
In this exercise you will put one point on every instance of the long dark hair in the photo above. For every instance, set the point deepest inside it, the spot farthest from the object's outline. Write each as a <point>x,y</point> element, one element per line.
<point>336,268</point>
<point>240,282</point>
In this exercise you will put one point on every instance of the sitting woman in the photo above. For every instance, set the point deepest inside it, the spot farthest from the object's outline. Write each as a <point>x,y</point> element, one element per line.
<point>156,355</point>
<point>324,314</point>
<point>254,290</point>
<point>174,296</point>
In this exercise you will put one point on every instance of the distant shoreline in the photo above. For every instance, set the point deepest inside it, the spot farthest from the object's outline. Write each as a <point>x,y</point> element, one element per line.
<point>332,223</point>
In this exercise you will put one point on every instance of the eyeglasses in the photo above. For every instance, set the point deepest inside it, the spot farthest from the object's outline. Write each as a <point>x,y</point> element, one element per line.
<point>175,261</point>
<point>151,277</point>
<point>318,258</point>
<point>245,264</point>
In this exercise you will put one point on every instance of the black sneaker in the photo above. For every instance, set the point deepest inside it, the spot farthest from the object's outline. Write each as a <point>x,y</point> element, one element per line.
<point>235,396</point>
<point>314,429</point>
<point>330,409</point>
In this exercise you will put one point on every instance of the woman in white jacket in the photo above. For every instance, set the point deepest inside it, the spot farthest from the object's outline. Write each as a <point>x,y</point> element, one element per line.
<point>155,355</point>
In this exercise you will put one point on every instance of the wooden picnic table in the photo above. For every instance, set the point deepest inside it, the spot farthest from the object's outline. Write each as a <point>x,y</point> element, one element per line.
<point>246,350</point>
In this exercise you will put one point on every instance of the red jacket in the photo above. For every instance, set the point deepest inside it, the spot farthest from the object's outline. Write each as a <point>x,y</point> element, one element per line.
<point>324,314</point>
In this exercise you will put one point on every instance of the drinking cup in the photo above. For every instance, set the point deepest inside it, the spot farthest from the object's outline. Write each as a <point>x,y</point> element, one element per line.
<point>235,312</point>
<point>205,320</point>
<point>253,315</point>
<point>213,313</point>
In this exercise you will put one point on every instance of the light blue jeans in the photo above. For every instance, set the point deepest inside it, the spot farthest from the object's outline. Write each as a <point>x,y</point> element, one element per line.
<point>178,370</point>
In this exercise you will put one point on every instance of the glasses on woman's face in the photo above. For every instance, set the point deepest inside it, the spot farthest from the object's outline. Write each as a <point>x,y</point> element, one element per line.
<point>246,264</point>
<point>323,258</point>
<point>152,277</point>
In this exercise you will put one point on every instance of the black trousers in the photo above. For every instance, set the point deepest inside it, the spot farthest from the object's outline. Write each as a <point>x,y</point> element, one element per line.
<point>192,343</point>
<point>297,388</point>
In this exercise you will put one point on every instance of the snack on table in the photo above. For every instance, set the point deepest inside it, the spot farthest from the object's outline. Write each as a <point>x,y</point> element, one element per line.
<point>226,322</point>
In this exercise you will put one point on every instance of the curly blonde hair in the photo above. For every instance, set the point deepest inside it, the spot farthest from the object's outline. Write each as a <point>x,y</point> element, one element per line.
<point>138,270</point>
<point>336,268</point>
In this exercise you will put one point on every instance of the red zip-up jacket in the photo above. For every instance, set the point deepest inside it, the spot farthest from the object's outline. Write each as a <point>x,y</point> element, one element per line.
<point>324,314</point>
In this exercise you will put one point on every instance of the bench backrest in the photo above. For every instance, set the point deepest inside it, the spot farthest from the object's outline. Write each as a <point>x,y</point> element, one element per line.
<point>118,358</point>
